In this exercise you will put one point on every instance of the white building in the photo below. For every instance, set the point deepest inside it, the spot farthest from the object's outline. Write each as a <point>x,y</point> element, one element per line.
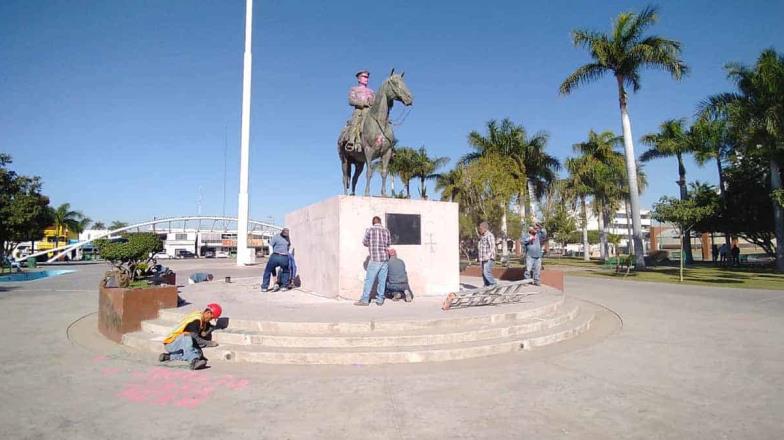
<point>620,224</point>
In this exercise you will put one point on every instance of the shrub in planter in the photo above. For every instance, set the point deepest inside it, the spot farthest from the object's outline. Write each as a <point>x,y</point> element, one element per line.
<point>129,256</point>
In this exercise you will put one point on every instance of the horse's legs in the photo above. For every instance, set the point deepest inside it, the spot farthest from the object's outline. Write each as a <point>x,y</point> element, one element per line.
<point>346,173</point>
<point>358,166</point>
<point>369,173</point>
<point>384,168</point>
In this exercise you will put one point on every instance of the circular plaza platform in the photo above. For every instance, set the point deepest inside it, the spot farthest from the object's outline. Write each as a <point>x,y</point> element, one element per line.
<point>299,327</point>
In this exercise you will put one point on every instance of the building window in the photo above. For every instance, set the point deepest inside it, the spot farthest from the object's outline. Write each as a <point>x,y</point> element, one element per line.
<point>180,236</point>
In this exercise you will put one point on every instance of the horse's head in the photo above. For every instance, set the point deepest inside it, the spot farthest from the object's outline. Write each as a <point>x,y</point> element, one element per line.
<point>399,89</point>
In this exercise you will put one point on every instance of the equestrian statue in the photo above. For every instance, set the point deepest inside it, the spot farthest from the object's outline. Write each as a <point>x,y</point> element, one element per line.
<point>368,134</point>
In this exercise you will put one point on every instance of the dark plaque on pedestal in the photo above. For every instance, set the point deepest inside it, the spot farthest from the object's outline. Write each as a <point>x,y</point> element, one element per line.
<point>405,228</point>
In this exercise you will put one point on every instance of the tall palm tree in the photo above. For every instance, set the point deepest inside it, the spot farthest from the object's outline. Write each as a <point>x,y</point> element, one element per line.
<point>756,113</point>
<point>604,175</point>
<point>672,140</point>
<point>711,140</point>
<point>99,225</point>
<point>579,187</point>
<point>65,220</point>
<point>425,168</point>
<point>624,53</point>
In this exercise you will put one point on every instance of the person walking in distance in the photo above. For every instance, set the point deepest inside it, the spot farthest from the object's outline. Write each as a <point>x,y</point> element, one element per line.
<point>486,253</point>
<point>533,252</point>
<point>377,239</point>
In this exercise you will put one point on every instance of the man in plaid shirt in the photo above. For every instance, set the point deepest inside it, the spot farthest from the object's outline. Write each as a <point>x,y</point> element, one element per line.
<point>377,240</point>
<point>486,253</point>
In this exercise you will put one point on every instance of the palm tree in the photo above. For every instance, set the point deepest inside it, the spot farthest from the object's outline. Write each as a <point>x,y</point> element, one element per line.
<point>451,184</point>
<point>623,53</point>
<point>403,164</point>
<point>117,225</point>
<point>711,140</point>
<point>65,220</point>
<point>672,140</point>
<point>756,114</point>
<point>425,168</point>
<point>578,186</point>
<point>99,225</point>
<point>533,168</point>
<point>604,169</point>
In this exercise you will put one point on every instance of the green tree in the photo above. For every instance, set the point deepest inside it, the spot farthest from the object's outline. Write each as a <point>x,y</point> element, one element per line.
<point>711,140</point>
<point>604,174</point>
<point>99,225</point>
<point>24,211</point>
<point>66,220</point>
<point>451,184</point>
<point>672,140</point>
<point>579,189</point>
<point>557,218</point>
<point>623,53</point>
<point>756,114</point>
<point>126,256</point>
<point>684,214</point>
<point>403,165</point>
<point>425,168</point>
<point>117,225</point>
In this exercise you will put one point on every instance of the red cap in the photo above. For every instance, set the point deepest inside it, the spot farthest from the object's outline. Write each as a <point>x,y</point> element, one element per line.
<point>215,309</point>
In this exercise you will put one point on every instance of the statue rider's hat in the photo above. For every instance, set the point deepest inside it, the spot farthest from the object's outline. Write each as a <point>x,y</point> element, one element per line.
<point>362,72</point>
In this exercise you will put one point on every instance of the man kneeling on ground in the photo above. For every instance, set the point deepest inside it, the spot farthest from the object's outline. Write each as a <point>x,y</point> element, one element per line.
<point>397,278</point>
<point>199,277</point>
<point>185,341</point>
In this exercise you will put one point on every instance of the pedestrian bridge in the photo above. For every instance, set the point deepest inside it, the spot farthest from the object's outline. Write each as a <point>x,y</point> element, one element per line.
<point>199,223</point>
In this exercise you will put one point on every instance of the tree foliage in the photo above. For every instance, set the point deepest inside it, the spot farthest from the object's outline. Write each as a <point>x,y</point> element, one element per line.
<point>24,211</point>
<point>126,256</point>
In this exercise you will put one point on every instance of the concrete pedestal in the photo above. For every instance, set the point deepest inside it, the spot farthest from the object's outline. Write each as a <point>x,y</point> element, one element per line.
<point>327,238</point>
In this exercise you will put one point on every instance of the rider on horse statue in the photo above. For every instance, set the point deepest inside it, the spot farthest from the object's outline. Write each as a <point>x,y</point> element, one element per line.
<point>361,98</point>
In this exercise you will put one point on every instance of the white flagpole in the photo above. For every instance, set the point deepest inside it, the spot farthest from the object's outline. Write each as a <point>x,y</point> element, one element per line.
<point>245,255</point>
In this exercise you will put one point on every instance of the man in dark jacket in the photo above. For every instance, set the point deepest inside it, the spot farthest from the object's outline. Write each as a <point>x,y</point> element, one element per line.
<point>397,278</point>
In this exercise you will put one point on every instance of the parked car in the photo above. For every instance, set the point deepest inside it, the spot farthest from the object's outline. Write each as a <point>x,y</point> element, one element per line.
<point>186,254</point>
<point>162,256</point>
<point>221,254</point>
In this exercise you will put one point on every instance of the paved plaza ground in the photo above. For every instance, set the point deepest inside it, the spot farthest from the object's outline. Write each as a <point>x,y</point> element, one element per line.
<point>690,362</point>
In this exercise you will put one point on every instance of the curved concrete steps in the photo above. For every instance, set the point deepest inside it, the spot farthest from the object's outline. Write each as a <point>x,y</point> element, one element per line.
<point>379,342</point>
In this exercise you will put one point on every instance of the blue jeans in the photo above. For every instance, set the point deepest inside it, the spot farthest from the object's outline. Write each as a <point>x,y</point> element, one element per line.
<point>375,269</point>
<point>533,266</point>
<point>183,349</point>
<point>276,261</point>
<point>487,273</point>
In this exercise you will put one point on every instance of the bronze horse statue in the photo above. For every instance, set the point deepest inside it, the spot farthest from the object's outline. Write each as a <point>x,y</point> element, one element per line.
<point>378,139</point>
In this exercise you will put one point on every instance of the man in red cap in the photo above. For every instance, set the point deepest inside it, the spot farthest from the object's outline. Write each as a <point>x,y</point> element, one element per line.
<point>182,343</point>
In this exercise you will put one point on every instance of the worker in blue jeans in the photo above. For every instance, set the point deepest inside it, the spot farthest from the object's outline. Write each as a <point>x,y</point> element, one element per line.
<point>279,258</point>
<point>533,252</point>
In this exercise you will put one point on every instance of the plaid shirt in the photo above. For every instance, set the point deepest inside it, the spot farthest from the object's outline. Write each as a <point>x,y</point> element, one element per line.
<point>487,246</point>
<point>377,240</point>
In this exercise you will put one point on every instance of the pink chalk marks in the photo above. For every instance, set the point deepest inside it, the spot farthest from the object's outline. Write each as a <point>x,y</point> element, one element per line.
<point>181,388</point>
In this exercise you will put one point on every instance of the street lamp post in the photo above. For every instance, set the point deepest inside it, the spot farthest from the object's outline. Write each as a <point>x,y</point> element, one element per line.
<point>245,255</point>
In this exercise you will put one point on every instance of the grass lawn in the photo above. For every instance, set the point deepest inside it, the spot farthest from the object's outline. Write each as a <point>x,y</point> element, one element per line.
<point>705,274</point>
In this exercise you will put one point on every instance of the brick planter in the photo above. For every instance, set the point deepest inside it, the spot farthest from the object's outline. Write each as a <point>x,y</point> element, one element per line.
<point>122,311</point>
<point>552,278</point>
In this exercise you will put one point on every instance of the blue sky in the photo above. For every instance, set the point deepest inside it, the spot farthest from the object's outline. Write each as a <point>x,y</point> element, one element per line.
<point>124,107</point>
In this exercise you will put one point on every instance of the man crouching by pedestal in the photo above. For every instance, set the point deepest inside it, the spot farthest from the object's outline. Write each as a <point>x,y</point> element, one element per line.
<point>185,341</point>
<point>397,278</point>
